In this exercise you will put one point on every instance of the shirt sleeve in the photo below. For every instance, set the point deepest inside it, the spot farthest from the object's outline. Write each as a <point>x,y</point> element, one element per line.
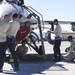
<point>17,50</point>
<point>72,47</point>
<point>55,30</point>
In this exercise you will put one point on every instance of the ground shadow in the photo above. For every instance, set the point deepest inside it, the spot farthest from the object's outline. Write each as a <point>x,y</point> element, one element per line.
<point>35,65</point>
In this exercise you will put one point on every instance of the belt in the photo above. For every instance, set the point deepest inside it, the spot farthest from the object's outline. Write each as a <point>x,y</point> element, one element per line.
<point>8,36</point>
<point>57,38</point>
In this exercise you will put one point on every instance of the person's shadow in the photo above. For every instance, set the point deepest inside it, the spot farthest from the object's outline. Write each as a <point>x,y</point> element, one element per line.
<point>30,68</point>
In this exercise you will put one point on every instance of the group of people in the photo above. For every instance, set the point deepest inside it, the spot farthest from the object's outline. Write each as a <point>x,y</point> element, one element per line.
<point>70,51</point>
<point>8,31</point>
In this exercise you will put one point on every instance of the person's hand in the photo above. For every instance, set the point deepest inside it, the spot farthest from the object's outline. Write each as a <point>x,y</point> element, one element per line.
<point>48,31</point>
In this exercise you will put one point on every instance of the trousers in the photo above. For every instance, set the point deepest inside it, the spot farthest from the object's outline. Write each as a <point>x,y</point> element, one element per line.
<point>2,53</point>
<point>11,46</point>
<point>57,53</point>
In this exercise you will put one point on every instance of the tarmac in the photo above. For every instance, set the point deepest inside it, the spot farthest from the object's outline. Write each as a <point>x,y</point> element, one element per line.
<point>39,66</point>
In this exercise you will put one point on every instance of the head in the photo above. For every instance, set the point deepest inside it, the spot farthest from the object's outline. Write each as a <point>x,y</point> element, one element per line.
<point>20,16</point>
<point>23,42</point>
<point>6,17</point>
<point>70,38</point>
<point>15,16</point>
<point>55,22</point>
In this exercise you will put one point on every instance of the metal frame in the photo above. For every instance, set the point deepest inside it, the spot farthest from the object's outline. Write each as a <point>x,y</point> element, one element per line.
<point>39,25</point>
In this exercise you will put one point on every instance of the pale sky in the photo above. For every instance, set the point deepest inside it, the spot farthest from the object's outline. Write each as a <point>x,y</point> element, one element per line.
<point>51,9</point>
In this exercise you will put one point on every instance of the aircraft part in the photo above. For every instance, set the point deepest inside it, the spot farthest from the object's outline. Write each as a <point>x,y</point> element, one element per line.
<point>22,33</point>
<point>35,36</point>
<point>50,38</point>
<point>7,7</point>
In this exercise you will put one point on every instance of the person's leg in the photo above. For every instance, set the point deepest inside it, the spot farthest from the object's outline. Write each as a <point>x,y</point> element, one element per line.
<point>11,47</point>
<point>54,48</point>
<point>58,49</point>
<point>14,54</point>
<point>2,54</point>
<point>69,56</point>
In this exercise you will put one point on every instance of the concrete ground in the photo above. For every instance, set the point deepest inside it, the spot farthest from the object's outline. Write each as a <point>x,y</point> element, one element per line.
<point>39,66</point>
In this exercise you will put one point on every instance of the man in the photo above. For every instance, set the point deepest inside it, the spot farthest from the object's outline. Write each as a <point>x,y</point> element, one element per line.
<point>57,32</point>
<point>22,50</point>
<point>70,55</point>
<point>4,26</point>
<point>11,36</point>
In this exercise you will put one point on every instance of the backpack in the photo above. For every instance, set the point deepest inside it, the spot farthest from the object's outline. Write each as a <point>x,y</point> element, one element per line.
<point>22,33</point>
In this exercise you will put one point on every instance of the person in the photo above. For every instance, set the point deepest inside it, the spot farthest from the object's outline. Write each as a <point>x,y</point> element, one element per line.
<point>22,50</point>
<point>11,36</point>
<point>70,54</point>
<point>57,44</point>
<point>4,26</point>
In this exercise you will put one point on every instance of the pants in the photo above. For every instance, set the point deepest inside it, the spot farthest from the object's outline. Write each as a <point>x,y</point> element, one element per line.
<point>69,56</point>
<point>2,53</point>
<point>21,57</point>
<point>11,46</point>
<point>57,53</point>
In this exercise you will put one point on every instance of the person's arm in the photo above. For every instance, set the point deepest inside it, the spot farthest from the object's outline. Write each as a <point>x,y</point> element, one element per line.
<point>17,50</point>
<point>55,30</point>
<point>71,48</point>
<point>26,48</point>
<point>51,31</point>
